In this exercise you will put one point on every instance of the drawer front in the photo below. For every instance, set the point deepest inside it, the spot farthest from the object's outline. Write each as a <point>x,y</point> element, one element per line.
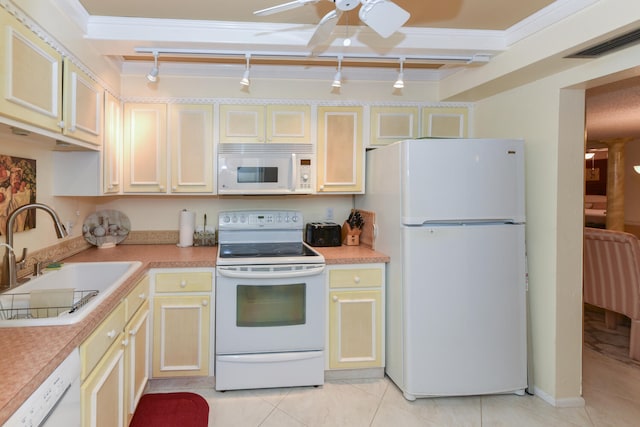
<point>184,282</point>
<point>136,298</point>
<point>94,347</point>
<point>354,278</point>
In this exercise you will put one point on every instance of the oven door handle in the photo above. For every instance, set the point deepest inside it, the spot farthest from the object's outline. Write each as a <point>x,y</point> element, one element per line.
<point>262,274</point>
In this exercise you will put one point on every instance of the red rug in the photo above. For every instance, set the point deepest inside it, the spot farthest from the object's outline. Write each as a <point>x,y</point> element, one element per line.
<point>171,410</point>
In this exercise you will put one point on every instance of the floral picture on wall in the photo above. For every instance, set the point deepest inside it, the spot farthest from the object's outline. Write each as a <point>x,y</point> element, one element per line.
<point>17,188</point>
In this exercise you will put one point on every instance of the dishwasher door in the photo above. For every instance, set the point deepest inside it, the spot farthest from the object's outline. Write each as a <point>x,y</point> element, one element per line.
<point>57,401</point>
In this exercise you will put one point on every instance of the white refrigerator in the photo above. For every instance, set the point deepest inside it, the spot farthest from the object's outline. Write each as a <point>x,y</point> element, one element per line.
<point>450,214</point>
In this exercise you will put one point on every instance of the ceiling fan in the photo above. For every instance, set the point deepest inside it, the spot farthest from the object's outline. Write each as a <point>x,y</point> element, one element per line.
<point>382,16</point>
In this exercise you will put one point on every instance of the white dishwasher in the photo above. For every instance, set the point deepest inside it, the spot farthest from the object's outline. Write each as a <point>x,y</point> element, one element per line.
<point>56,402</point>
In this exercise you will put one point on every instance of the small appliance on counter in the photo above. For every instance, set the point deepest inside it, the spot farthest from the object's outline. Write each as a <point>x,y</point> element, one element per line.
<point>324,233</point>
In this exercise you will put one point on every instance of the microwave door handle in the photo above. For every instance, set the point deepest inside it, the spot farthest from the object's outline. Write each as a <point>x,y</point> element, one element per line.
<point>294,173</point>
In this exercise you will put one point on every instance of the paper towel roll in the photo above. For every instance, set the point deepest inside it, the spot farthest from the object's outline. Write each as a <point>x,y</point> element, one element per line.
<point>187,227</point>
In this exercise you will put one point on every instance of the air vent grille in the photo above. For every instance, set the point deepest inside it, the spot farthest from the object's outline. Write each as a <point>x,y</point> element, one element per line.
<point>609,46</point>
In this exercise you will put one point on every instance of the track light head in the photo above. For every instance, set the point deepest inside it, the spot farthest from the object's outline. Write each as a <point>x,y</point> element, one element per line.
<point>245,77</point>
<point>337,78</point>
<point>153,74</point>
<point>399,84</point>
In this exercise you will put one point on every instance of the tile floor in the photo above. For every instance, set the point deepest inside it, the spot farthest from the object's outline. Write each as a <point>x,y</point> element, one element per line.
<point>611,391</point>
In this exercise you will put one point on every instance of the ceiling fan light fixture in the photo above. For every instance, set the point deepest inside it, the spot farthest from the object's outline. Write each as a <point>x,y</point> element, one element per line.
<point>245,76</point>
<point>153,74</point>
<point>383,16</point>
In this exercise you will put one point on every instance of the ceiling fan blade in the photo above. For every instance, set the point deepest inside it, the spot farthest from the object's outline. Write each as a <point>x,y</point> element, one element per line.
<point>325,28</point>
<point>382,16</point>
<point>282,7</point>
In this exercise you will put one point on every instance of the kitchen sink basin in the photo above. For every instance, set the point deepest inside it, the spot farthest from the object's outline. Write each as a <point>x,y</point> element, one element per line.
<point>63,296</point>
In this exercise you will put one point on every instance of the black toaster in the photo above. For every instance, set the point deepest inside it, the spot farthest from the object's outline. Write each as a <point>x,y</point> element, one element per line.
<point>323,234</point>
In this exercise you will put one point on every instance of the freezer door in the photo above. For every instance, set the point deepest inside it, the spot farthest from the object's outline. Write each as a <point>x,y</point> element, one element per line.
<point>465,310</point>
<point>462,180</point>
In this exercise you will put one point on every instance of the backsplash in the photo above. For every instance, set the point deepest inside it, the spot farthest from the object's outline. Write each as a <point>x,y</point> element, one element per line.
<point>75,245</point>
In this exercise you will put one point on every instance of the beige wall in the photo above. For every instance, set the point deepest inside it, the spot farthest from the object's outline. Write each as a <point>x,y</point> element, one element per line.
<point>70,210</point>
<point>549,115</point>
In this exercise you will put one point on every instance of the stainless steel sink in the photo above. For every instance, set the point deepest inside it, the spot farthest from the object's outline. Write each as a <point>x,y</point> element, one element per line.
<point>64,296</point>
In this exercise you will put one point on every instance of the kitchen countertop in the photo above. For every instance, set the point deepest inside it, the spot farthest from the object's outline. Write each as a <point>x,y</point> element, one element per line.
<point>30,354</point>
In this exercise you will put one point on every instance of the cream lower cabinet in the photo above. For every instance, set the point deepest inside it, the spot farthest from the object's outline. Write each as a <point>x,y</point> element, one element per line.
<point>137,352</point>
<point>102,358</point>
<point>114,362</point>
<point>340,151</point>
<point>356,316</point>
<point>182,314</point>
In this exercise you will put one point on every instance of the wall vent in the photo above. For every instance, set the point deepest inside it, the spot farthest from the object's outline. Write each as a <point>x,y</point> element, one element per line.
<point>609,46</point>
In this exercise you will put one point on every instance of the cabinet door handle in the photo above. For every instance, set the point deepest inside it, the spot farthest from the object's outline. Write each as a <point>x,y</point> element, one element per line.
<point>112,334</point>
<point>183,284</point>
<point>205,303</point>
<point>142,296</point>
<point>125,342</point>
<point>356,279</point>
<point>133,332</point>
<point>335,298</point>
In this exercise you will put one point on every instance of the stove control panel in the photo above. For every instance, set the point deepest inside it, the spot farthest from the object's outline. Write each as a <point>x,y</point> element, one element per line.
<point>247,220</point>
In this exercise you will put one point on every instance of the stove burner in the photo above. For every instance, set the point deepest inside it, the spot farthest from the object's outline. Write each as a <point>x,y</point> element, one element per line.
<point>263,250</point>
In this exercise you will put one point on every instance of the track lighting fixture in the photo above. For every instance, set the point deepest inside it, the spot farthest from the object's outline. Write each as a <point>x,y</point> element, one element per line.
<point>399,84</point>
<point>153,74</point>
<point>337,79</point>
<point>245,77</point>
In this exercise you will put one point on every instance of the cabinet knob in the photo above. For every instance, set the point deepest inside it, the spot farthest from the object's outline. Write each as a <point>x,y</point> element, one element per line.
<point>161,187</point>
<point>61,124</point>
<point>125,342</point>
<point>133,332</point>
<point>112,334</point>
<point>356,279</point>
<point>174,188</point>
<point>205,303</point>
<point>142,296</point>
<point>335,298</point>
<point>183,284</point>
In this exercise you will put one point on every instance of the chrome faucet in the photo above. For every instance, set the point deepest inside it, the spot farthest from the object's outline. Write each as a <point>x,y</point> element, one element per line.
<point>10,266</point>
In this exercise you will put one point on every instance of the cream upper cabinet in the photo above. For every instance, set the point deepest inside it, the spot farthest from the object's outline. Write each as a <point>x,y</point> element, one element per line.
<point>145,148</point>
<point>445,122</point>
<point>340,150</point>
<point>260,123</point>
<point>112,146</point>
<point>182,315</point>
<point>191,144</point>
<point>31,74</point>
<point>356,316</point>
<point>390,124</point>
<point>83,105</point>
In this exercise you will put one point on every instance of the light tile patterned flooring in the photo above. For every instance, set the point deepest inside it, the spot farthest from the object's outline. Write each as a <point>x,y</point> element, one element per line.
<point>611,390</point>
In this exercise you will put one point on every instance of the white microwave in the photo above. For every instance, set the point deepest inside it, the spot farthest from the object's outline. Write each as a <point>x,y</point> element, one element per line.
<point>266,168</point>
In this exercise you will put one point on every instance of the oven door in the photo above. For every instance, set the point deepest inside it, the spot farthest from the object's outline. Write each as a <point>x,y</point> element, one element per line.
<point>269,308</point>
